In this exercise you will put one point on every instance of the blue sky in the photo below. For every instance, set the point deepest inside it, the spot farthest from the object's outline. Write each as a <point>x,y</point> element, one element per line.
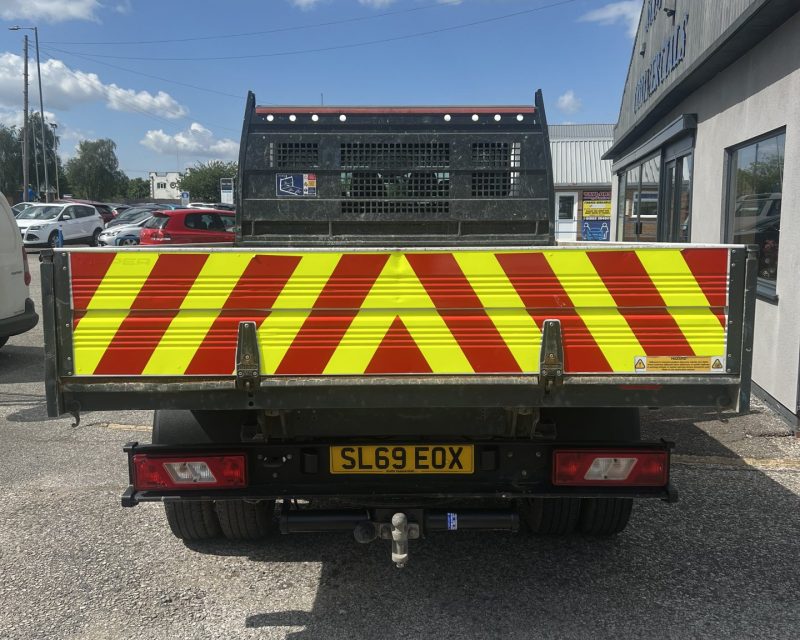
<point>121,69</point>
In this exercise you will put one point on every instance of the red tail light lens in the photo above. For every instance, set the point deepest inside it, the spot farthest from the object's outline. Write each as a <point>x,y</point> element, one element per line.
<point>27,268</point>
<point>161,473</point>
<point>597,468</point>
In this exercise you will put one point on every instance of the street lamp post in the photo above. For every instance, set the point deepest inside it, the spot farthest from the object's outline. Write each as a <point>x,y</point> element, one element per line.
<point>55,157</point>
<point>41,106</point>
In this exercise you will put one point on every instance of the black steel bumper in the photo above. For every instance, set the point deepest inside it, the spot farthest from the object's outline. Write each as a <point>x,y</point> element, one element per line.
<point>504,470</point>
<point>25,321</point>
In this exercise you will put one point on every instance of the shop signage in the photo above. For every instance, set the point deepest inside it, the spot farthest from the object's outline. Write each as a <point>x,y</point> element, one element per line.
<point>663,62</point>
<point>596,214</point>
<point>653,7</point>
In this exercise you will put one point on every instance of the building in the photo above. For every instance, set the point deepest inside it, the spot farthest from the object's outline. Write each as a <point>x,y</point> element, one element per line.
<point>164,186</point>
<point>582,180</point>
<point>707,149</point>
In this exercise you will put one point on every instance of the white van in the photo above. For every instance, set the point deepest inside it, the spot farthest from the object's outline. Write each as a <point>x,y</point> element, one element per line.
<point>17,312</point>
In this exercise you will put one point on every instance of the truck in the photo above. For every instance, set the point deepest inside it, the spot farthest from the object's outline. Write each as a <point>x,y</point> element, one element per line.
<point>394,345</point>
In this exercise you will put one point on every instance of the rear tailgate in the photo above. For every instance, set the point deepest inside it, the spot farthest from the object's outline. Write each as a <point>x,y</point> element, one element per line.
<point>637,325</point>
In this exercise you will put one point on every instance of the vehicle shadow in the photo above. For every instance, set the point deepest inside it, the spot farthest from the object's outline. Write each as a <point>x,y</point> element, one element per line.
<point>724,557</point>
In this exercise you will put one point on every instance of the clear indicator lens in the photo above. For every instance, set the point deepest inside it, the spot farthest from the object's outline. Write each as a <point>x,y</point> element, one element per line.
<point>610,469</point>
<point>189,472</point>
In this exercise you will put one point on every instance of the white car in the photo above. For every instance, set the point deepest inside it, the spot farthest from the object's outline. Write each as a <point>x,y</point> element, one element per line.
<point>40,223</point>
<point>122,235</point>
<point>17,312</point>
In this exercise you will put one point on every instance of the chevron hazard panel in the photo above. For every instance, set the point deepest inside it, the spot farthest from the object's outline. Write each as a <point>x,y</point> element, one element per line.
<point>658,311</point>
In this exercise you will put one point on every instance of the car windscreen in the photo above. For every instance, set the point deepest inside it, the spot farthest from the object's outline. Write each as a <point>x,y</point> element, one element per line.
<point>40,213</point>
<point>156,222</point>
<point>134,215</point>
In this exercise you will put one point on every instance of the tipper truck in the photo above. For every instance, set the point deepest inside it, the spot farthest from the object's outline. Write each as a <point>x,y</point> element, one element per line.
<point>394,345</point>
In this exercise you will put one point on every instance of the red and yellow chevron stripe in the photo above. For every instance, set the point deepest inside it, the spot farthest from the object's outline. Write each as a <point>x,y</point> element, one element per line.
<point>167,313</point>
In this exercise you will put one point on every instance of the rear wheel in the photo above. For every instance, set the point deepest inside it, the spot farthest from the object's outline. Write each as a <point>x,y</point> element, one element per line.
<point>95,236</point>
<point>192,521</point>
<point>599,517</point>
<point>246,521</point>
<point>551,516</point>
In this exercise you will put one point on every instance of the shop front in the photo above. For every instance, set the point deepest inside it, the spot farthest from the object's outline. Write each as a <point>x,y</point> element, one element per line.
<point>707,149</point>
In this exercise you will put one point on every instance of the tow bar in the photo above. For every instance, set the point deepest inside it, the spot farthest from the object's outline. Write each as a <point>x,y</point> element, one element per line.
<point>397,526</point>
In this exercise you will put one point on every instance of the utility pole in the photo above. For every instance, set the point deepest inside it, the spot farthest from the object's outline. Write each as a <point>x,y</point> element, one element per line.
<point>55,157</point>
<point>41,107</point>
<point>25,164</point>
<point>41,116</point>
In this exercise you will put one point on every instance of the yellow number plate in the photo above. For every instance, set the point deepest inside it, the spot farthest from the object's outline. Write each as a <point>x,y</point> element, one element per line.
<point>434,458</point>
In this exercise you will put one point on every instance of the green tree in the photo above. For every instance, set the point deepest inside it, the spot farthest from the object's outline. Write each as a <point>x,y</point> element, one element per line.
<point>202,180</point>
<point>138,189</point>
<point>10,162</point>
<point>94,172</point>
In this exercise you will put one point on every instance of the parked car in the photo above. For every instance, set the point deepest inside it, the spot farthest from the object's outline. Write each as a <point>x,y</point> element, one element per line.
<point>20,207</point>
<point>121,208</point>
<point>106,211</point>
<point>123,235</point>
<point>189,226</point>
<point>40,223</point>
<point>131,216</point>
<point>17,311</point>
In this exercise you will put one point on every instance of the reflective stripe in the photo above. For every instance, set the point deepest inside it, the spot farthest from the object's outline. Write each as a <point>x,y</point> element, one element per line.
<point>398,293</point>
<point>199,310</point>
<point>596,307</point>
<point>108,308</point>
<point>504,306</point>
<point>685,300</point>
<point>293,306</point>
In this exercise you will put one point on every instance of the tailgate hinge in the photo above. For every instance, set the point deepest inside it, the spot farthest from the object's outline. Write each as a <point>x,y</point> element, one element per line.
<point>248,361</point>
<point>551,356</point>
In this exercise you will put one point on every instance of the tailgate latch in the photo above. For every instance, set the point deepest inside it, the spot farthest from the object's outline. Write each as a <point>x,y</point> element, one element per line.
<point>248,361</point>
<point>551,357</point>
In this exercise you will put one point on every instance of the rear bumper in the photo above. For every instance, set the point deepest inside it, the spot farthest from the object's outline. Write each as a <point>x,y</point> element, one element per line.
<point>504,470</point>
<point>25,321</point>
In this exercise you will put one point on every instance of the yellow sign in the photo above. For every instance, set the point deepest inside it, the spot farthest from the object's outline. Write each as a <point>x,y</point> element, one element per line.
<point>596,209</point>
<point>436,458</point>
<point>679,364</point>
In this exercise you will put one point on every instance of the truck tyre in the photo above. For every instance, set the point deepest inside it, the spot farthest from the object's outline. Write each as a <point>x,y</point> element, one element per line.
<point>192,521</point>
<point>245,521</point>
<point>550,516</point>
<point>603,517</point>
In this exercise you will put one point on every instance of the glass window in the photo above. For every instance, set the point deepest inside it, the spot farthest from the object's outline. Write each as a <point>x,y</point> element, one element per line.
<point>566,207</point>
<point>648,200</point>
<point>754,204</point>
<point>631,206</point>
<point>685,200</point>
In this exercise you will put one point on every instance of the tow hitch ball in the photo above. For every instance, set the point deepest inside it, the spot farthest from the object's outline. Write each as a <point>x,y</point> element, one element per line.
<point>400,531</point>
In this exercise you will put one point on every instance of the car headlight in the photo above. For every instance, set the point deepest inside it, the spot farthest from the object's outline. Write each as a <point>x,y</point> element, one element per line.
<point>35,227</point>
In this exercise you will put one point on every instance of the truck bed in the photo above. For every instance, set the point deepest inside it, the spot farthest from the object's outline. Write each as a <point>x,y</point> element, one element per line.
<point>263,328</point>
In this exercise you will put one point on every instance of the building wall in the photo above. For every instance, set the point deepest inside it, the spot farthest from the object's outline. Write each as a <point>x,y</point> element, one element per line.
<point>169,178</point>
<point>758,93</point>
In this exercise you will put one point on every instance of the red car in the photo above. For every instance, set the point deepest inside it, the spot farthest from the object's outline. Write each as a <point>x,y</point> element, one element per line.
<point>188,226</point>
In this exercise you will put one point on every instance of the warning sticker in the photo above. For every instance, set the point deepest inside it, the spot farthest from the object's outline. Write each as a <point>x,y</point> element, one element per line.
<point>679,364</point>
<point>296,184</point>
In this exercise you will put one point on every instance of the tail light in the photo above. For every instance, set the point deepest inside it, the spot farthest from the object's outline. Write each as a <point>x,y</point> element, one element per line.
<point>27,268</point>
<point>584,468</point>
<point>182,473</point>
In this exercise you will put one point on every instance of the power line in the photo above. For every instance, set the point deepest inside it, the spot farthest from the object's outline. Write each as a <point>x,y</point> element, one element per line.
<point>97,60</point>
<point>352,45</point>
<point>247,34</point>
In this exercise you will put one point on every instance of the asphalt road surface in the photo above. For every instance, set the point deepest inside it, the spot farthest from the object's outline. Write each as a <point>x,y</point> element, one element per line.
<point>723,562</point>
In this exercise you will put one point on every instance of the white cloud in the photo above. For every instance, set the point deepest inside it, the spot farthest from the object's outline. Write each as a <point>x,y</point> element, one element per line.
<point>13,117</point>
<point>305,5</point>
<point>65,89</point>
<point>195,141</point>
<point>49,10</point>
<point>568,102</point>
<point>626,12</point>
